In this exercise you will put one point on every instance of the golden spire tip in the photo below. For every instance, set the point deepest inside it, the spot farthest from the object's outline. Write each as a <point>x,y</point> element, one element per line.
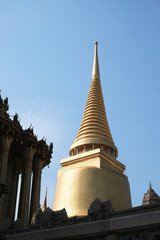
<point>96,42</point>
<point>95,71</point>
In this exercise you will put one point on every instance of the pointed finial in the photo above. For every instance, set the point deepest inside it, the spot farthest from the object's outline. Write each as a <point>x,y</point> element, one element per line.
<point>45,202</point>
<point>150,185</point>
<point>95,71</point>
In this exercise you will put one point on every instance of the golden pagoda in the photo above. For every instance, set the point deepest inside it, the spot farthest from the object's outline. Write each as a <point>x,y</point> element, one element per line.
<point>92,170</point>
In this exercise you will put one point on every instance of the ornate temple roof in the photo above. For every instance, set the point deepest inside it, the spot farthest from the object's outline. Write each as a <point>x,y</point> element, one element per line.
<point>94,128</point>
<point>22,138</point>
<point>150,197</point>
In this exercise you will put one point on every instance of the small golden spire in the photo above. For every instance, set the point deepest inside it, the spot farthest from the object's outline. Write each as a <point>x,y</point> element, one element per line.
<point>95,71</point>
<point>45,202</point>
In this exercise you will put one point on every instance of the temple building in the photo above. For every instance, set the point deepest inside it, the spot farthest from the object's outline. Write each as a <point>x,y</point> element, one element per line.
<point>92,170</point>
<point>20,154</point>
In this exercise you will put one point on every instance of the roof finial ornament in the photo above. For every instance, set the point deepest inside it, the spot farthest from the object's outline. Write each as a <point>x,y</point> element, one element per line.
<point>150,184</point>
<point>95,71</point>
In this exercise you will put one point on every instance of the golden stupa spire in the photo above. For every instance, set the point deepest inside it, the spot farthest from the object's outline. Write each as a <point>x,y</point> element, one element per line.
<point>94,130</point>
<point>92,170</point>
<point>45,202</point>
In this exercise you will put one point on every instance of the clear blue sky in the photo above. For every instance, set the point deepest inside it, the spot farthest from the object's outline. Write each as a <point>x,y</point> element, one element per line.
<point>46,57</point>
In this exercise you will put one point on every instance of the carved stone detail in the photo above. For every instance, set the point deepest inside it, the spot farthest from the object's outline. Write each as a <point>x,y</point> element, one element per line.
<point>16,120</point>
<point>100,210</point>
<point>49,218</point>
<point>3,105</point>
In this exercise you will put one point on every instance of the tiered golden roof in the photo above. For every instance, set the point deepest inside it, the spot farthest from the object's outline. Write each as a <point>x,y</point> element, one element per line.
<point>94,128</point>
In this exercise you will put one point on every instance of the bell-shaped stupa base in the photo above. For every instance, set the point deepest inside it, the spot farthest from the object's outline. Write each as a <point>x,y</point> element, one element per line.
<point>90,175</point>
